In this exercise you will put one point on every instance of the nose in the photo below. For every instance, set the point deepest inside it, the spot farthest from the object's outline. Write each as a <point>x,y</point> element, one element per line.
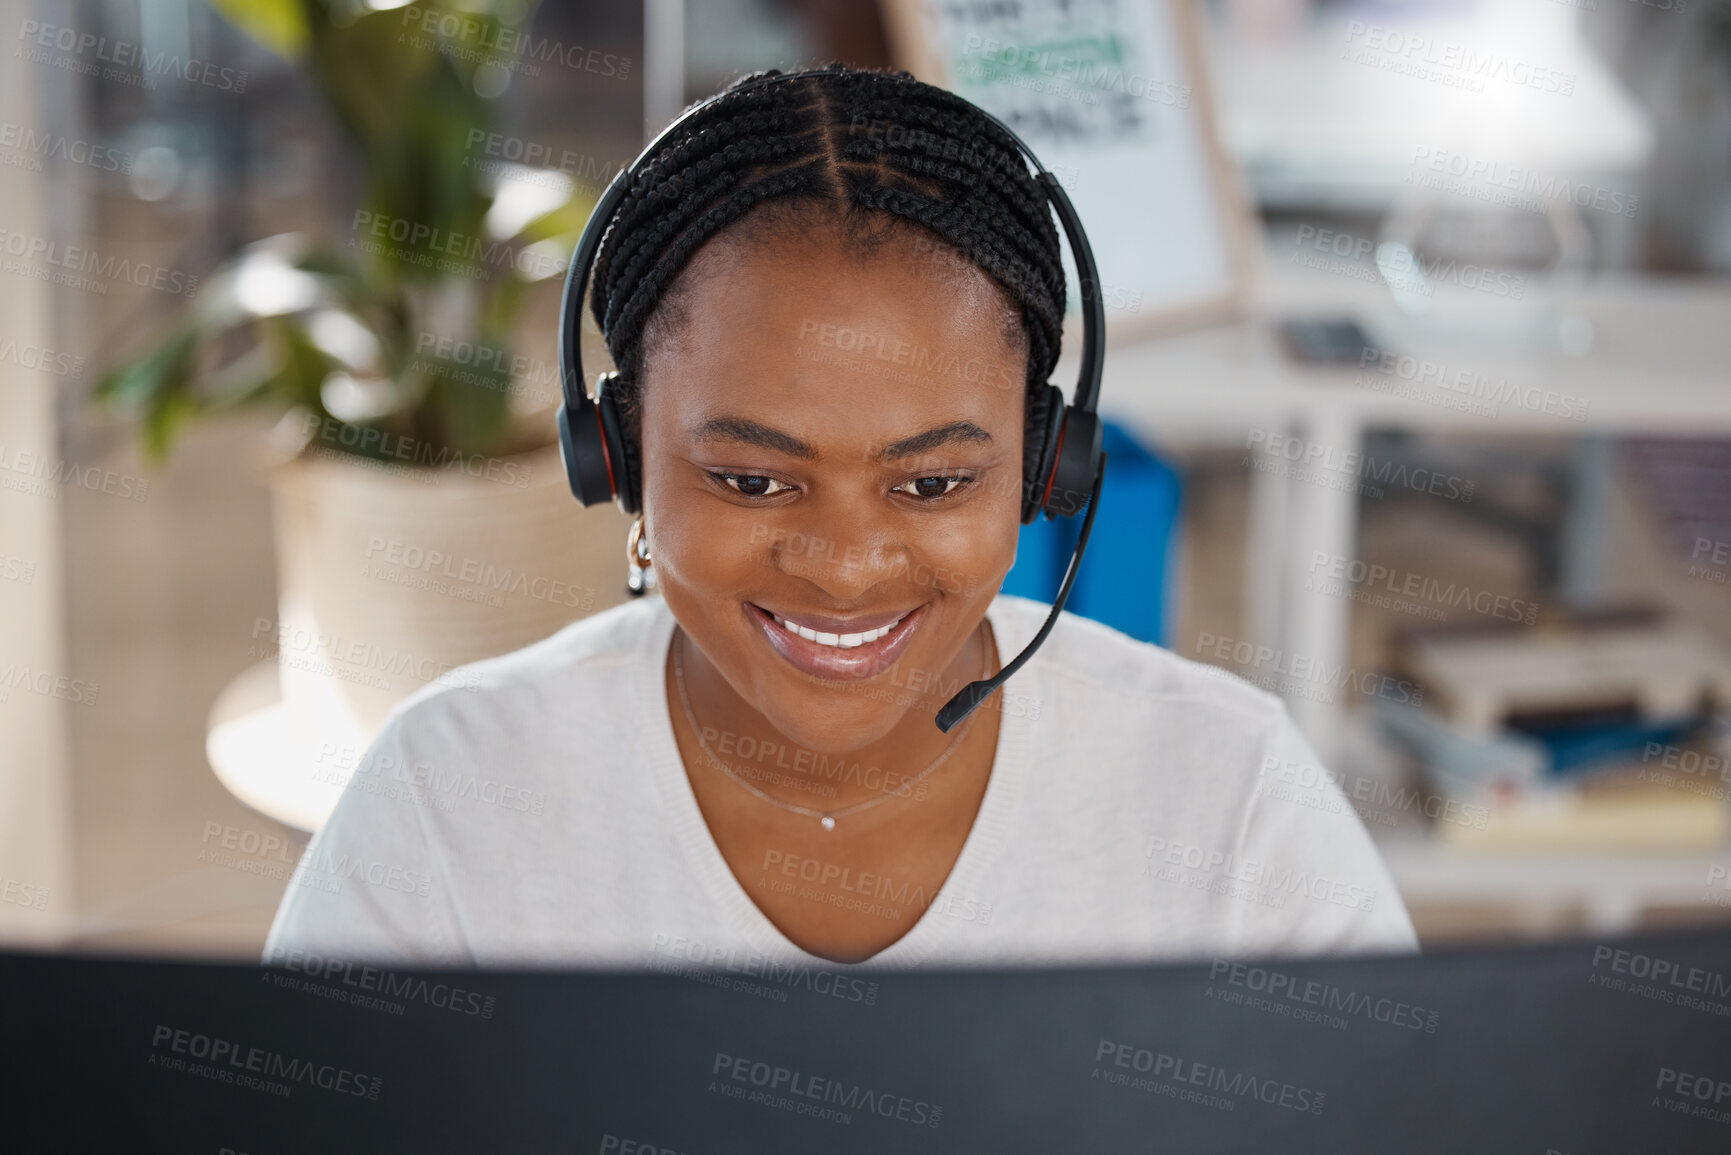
<point>847,555</point>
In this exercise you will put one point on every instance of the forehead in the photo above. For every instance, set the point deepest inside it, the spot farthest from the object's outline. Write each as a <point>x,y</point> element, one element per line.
<point>800,321</point>
<point>779,257</point>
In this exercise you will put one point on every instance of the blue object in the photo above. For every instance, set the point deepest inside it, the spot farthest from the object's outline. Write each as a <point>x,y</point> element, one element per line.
<point>1585,746</point>
<point>1126,580</point>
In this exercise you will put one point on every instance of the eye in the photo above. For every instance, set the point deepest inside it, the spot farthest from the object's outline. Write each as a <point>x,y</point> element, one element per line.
<point>751,484</point>
<point>932,488</point>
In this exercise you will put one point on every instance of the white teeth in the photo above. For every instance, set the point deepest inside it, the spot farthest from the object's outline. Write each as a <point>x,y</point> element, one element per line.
<point>840,641</point>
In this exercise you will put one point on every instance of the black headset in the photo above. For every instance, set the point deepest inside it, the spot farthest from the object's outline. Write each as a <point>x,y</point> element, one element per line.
<point>1071,465</point>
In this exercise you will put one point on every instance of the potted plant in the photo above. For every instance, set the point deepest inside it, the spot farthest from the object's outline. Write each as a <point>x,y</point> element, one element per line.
<point>421,521</point>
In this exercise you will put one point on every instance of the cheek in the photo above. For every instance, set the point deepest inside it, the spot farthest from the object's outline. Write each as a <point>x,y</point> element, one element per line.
<point>699,546</point>
<point>973,554</point>
<point>696,542</point>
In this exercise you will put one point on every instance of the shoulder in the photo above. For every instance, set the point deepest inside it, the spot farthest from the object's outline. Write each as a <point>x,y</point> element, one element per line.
<point>584,660</point>
<point>1123,671</point>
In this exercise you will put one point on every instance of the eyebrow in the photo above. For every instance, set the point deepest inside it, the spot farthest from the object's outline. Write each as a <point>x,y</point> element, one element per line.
<point>751,433</point>
<point>747,432</point>
<point>933,438</point>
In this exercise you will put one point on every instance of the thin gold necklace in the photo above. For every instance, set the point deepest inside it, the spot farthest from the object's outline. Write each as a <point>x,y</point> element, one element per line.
<point>825,818</point>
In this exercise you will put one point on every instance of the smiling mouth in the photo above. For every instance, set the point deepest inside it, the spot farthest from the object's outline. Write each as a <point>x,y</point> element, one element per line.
<point>839,649</point>
<point>840,641</point>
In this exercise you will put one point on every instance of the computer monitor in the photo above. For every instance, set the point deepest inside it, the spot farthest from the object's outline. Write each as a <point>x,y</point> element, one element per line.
<point>1574,1048</point>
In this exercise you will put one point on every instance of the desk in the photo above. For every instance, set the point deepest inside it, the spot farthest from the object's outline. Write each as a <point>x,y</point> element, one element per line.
<point>1543,889</point>
<point>1656,366</point>
<point>1610,890</point>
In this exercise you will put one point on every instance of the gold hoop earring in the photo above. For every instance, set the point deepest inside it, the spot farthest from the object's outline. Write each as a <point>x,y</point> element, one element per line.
<point>639,576</point>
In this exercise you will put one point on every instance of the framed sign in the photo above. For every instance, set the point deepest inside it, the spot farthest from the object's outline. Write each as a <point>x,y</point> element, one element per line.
<point>1113,97</point>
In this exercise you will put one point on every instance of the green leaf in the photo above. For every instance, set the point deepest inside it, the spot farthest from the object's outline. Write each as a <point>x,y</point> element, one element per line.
<point>301,365</point>
<point>471,403</point>
<point>158,389</point>
<point>164,369</point>
<point>406,101</point>
<point>164,422</point>
<point>565,221</point>
<point>372,72</point>
<point>248,378</point>
<point>280,25</point>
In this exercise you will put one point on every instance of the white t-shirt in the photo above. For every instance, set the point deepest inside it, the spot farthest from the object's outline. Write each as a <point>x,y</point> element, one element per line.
<point>537,813</point>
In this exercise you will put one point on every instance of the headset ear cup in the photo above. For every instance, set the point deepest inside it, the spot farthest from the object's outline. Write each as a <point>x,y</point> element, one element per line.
<point>1078,463</point>
<point>583,451</point>
<point>624,465</point>
<point>1045,429</point>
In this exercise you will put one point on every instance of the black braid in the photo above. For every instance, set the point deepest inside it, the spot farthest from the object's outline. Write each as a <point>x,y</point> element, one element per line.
<point>846,140</point>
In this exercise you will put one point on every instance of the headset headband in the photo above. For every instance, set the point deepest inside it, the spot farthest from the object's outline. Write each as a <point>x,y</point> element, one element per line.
<point>592,442</point>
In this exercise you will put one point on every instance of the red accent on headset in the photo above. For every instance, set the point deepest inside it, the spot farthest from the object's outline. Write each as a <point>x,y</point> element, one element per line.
<point>1057,456</point>
<point>606,457</point>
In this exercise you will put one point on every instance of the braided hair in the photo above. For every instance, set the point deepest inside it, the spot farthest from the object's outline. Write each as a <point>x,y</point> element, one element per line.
<point>859,145</point>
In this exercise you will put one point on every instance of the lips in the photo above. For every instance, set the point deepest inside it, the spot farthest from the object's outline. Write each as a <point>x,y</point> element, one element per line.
<point>838,649</point>
<point>836,632</point>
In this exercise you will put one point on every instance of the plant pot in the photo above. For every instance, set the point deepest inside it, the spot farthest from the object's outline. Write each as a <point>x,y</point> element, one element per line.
<point>390,578</point>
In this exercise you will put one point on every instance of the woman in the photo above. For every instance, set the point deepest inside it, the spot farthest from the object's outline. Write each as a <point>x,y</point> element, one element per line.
<point>830,301</point>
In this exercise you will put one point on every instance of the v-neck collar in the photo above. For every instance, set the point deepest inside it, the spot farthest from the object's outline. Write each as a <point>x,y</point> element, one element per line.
<point>985,840</point>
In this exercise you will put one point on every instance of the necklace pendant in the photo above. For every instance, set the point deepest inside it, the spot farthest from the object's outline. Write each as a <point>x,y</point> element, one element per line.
<point>828,822</point>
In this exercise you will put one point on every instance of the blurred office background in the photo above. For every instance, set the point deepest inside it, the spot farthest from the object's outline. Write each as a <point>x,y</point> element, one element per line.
<point>1553,575</point>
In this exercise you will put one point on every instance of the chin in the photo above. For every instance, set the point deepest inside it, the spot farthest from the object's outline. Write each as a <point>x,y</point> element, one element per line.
<point>840,719</point>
